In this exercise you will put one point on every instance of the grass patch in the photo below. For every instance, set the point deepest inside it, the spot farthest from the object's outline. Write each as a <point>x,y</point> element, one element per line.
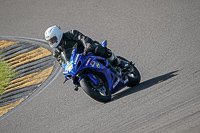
<point>6,73</point>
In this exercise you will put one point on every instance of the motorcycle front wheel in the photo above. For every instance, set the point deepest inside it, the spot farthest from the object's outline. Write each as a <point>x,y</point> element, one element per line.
<point>100,92</point>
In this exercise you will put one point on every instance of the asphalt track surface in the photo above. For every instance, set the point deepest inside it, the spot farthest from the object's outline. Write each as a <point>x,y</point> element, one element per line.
<point>161,36</point>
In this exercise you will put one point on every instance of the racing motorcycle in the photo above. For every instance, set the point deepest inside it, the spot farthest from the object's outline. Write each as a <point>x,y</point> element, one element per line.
<point>96,76</point>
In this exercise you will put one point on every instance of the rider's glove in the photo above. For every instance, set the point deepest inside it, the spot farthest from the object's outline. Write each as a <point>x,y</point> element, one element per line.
<point>56,53</point>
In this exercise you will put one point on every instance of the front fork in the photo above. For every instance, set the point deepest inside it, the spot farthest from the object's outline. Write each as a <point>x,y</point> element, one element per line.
<point>92,78</point>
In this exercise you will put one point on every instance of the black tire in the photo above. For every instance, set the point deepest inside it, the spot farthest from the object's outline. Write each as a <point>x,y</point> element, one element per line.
<point>88,89</point>
<point>134,78</point>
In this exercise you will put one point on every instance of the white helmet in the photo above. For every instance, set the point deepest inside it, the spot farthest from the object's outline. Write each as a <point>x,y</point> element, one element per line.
<point>53,36</point>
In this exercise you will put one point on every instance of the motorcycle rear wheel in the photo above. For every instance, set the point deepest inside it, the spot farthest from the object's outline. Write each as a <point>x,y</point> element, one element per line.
<point>92,90</point>
<point>134,77</point>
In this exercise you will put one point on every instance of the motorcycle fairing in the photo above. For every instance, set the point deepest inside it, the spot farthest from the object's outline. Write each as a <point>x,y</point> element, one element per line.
<point>78,62</point>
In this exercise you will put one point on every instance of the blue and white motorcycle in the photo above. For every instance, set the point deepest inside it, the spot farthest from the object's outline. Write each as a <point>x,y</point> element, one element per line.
<point>96,76</point>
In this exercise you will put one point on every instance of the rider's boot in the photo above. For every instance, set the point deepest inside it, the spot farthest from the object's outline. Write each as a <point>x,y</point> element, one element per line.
<point>115,61</point>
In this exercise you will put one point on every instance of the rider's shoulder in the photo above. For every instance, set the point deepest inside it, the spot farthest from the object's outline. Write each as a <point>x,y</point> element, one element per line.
<point>73,31</point>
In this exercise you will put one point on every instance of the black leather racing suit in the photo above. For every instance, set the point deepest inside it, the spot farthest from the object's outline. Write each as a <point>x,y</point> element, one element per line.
<point>84,44</point>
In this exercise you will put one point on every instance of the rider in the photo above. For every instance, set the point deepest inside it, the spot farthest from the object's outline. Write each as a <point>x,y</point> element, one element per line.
<point>66,41</point>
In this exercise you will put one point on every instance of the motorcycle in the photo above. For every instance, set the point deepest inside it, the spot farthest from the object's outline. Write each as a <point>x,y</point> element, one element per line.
<point>96,76</point>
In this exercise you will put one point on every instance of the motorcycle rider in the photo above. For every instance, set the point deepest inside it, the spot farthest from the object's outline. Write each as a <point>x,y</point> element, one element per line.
<point>66,41</point>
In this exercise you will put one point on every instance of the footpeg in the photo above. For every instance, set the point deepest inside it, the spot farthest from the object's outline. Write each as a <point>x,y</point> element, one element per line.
<point>65,80</point>
<point>76,88</point>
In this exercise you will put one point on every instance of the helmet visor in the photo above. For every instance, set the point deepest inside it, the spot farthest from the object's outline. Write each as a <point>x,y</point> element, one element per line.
<point>52,40</point>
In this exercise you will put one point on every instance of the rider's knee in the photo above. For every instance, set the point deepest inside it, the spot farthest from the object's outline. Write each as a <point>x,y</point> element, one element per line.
<point>103,51</point>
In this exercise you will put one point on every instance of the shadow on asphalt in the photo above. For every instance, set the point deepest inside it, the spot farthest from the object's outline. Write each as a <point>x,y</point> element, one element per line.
<point>144,85</point>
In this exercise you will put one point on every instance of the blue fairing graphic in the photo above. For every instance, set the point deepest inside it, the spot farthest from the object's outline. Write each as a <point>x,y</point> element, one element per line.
<point>80,66</point>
